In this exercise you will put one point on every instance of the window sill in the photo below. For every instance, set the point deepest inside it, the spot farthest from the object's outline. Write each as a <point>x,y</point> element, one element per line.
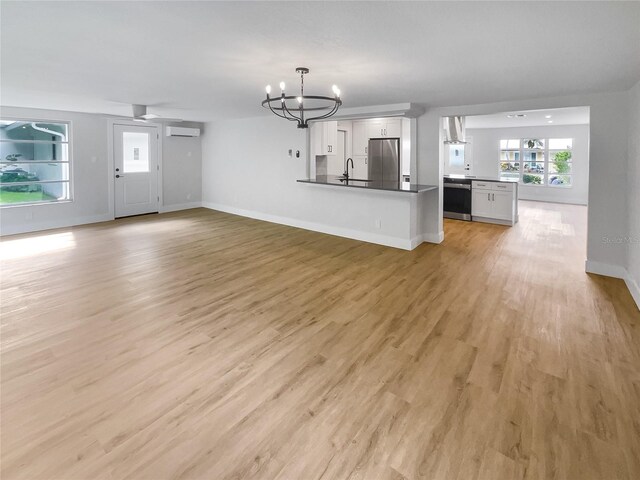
<point>34,204</point>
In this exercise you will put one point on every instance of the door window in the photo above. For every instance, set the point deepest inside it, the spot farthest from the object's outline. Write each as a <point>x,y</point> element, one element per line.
<point>135,152</point>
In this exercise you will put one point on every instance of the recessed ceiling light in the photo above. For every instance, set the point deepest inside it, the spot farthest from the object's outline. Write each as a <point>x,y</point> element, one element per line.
<point>547,116</point>
<point>516,115</point>
<point>549,121</point>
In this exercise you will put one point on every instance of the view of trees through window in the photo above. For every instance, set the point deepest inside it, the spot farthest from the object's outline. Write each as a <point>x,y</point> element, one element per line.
<point>537,161</point>
<point>34,162</point>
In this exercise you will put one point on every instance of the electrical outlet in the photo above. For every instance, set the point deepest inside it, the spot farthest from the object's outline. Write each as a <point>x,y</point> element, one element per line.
<point>378,223</point>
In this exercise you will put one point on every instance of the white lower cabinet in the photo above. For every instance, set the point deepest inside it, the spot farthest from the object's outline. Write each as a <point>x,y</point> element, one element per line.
<point>502,206</point>
<point>481,203</point>
<point>494,201</point>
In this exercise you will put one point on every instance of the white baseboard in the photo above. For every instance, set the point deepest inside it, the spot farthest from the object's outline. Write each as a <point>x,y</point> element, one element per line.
<point>581,203</point>
<point>51,224</point>
<point>633,287</point>
<point>429,238</point>
<point>179,206</point>
<point>615,271</point>
<point>605,269</point>
<point>404,244</point>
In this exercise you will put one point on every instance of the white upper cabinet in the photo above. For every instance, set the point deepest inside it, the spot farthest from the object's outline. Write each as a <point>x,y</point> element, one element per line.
<point>360,138</point>
<point>393,127</point>
<point>376,128</point>
<point>385,127</point>
<point>325,134</point>
<point>326,137</point>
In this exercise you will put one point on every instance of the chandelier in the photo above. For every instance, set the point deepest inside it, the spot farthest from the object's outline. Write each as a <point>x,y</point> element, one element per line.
<point>299,107</point>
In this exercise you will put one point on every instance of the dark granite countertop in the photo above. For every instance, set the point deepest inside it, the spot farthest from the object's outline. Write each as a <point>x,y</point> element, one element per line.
<point>334,180</point>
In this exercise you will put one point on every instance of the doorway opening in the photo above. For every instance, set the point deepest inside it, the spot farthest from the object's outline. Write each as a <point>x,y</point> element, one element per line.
<point>517,163</point>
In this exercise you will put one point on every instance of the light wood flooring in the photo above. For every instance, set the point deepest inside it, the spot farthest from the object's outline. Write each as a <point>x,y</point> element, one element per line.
<point>202,345</point>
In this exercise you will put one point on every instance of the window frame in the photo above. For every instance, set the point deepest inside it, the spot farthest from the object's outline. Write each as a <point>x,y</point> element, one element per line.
<point>546,152</point>
<point>69,161</point>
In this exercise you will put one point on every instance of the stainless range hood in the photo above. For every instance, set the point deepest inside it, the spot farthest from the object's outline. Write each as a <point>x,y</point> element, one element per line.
<point>454,130</point>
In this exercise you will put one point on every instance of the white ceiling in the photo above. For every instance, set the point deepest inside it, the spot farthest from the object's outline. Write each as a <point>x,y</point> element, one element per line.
<point>210,60</point>
<point>532,118</point>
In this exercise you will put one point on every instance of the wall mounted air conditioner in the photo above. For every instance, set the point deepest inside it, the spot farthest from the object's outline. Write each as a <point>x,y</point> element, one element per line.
<point>182,132</point>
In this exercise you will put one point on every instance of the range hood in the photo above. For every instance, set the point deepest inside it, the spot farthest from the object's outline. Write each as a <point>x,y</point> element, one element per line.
<point>454,130</point>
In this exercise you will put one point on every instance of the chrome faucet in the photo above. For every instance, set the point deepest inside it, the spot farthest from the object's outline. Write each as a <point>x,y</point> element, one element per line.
<point>346,170</point>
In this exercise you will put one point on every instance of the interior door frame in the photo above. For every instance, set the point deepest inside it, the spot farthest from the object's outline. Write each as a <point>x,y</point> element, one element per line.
<point>111,123</point>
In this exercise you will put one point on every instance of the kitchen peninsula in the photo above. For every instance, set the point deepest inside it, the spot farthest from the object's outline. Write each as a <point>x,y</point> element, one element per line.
<point>394,214</point>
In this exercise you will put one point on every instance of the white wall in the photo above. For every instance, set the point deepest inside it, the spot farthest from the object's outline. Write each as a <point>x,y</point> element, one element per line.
<point>246,171</point>
<point>633,199</point>
<point>182,170</point>
<point>607,172</point>
<point>91,175</point>
<point>486,152</point>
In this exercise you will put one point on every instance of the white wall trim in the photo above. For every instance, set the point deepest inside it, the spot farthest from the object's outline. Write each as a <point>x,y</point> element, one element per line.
<point>179,206</point>
<point>551,201</point>
<point>615,271</point>
<point>427,238</point>
<point>634,289</point>
<point>433,238</point>
<point>385,240</point>
<point>409,110</point>
<point>606,269</point>
<point>52,224</point>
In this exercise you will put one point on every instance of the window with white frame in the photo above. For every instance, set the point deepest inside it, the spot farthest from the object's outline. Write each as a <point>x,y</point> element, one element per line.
<point>34,162</point>
<point>537,161</point>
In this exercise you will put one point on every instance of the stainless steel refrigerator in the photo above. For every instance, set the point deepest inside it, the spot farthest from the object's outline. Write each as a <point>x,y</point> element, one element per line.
<point>384,160</point>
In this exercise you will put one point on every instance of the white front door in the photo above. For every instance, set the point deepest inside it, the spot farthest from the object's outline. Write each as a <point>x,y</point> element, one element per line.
<point>136,169</point>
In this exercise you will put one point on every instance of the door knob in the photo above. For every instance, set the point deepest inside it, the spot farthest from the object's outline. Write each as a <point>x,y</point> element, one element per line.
<point>118,176</point>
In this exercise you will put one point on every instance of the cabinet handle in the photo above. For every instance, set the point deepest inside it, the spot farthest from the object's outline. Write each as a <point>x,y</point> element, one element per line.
<point>365,149</point>
<point>493,197</point>
<point>365,160</point>
<point>385,132</point>
<point>488,197</point>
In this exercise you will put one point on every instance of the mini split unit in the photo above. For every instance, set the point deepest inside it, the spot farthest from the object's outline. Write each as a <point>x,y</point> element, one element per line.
<point>182,132</point>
